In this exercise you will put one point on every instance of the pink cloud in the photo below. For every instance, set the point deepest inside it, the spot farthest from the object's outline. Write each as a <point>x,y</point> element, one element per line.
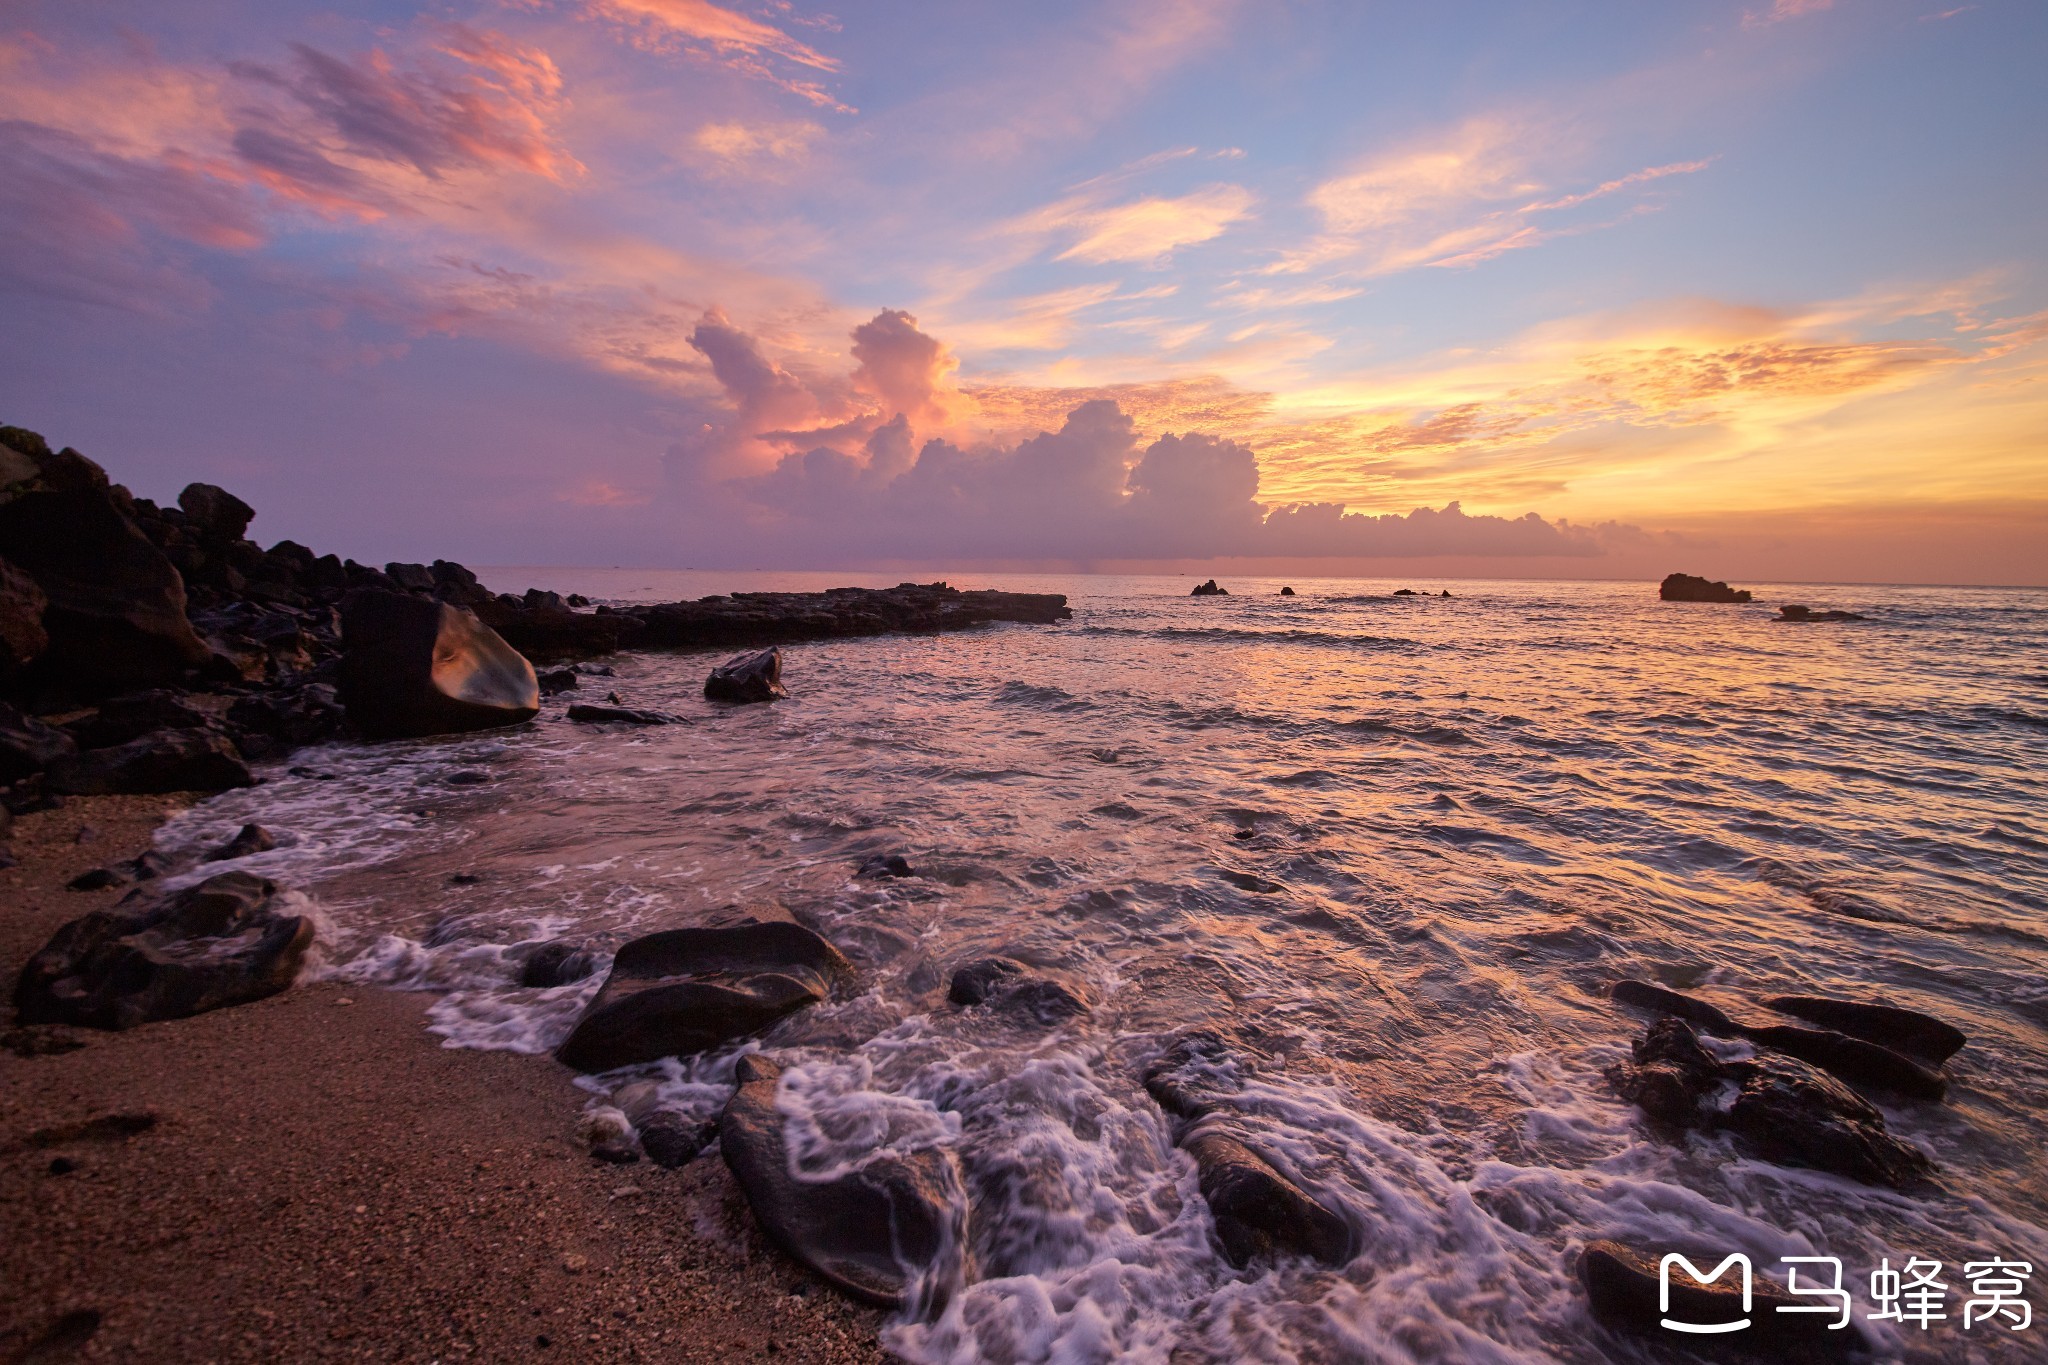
<point>725,36</point>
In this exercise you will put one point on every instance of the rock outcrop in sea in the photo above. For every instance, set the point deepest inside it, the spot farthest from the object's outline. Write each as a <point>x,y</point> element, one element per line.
<point>1685,587</point>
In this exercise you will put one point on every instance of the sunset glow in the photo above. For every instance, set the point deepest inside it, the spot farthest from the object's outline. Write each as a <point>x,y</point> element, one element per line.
<point>1757,287</point>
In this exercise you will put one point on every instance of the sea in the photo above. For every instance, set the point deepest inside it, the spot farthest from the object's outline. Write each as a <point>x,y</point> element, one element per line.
<point>1400,846</point>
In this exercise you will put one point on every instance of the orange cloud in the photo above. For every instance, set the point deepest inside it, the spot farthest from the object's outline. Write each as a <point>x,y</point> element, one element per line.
<point>725,36</point>
<point>1150,230</point>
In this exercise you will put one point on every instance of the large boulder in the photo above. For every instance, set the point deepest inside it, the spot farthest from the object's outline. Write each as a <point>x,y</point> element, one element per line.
<point>1685,587</point>
<point>161,761</point>
<point>413,666</point>
<point>747,677</point>
<point>1906,1030</point>
<point>892,1232</point>
<point>215,513</point>
<point>1209,588</point>
<point>1784,1109</point>
<point>684,991</point>
<point>116,606</point>
<point>22,604</point>
<point>27,745</point>
<point>1259,1211</point>
<point>222,942</point>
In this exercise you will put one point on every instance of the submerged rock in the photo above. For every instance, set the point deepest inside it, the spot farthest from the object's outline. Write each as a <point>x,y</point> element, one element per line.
<point>687,990</point>
<point>1208,588</point>
<point>1685,587</point>
<point>1808,614</point>
<point>1626,1288</point>
<point>1888,1025</point>
<point>891,1233</point>
<point>885,865</point>
<point>164,761</point>
<point>1786,1110</point>
<point>556,964</point>
<point>251,839</point>
<point>1257,1210</point>
<point>1853,1059</point>
<point>557,680</point>
<point>748,678</point>
<point>672,1140</point>
<point>1014,989</point>
<point>1287,592</point>
<point>622,715</point>
<point>413,666</point>
<point>222,942</point>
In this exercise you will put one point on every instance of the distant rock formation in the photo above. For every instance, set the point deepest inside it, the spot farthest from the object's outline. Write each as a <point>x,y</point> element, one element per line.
<point>1287,592</point>
<point>1685,587</point>
<point>1808,614</point>
<point>1209,589</point>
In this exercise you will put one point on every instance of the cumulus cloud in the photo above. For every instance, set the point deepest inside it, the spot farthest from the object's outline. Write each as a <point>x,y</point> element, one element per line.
<point>909,371</point>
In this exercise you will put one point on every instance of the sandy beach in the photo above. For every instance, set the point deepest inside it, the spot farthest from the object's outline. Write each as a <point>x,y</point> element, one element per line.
<point>323,1181</point>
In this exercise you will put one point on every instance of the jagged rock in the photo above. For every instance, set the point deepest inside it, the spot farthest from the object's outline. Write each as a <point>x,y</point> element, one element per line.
<point>556,964</point>
<point>761,618</point>
<point>1014,989</point>
<point>215,512</point>
<point>891,1233</point>
<point>554,633</point>
<point>22,604</point>
<point>1257,1210</point>
<point>1887,1025</point>
<point>1785,1109</point>
<point>410,577</point>
<point>222,942</point>
<point>250,840</point>
<point>557,680</point>
<point>162,761</point>
<point>1406,592</point>
<point>412,666</point>
<point>687,990</point>
<point>116,607</point>
<point>1808,614</point>
<point>748,678</point>
<point>1853,1059</point>
<point>1625,1289</point>
<point>1209,589</point>
<point>885,865</point>
<point>272,722</point>
<point>1685,587</point>
<point>27,745</point>
<point>626,715</point>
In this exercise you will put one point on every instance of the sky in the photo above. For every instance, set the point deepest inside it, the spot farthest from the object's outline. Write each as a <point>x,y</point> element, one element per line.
<point>1548,288</point>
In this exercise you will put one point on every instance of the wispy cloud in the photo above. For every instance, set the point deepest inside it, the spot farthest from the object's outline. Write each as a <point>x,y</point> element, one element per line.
<point>1149,230</point>
<point>1781,10</point>
<point>748,46</point>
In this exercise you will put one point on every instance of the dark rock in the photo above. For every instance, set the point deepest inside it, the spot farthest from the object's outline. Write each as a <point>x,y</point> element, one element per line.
<point>1807,614</point>
<point>286,718</point>
<point>412,667</point>
<point>625,715</point>
<point>1903,1030</point>
<point>1208,588</point>
<point>892,1233</point>
<point>214,512</point>
<point>144,867</point>
<point>747,678</point>
<point>540,598</point>
<point>62,1165</point>
<point>555,964</point>
<point>672,1140</point>
<point>1684,587</point>
<point>557,680</point>
<point>1785,1109</point>
<point>1852,1059</point>
<point>22,604</point>
<point>1446,593</point>
<point>116,607</point>
<point>467,777</point>
<point>164,761</point>
<point>593,670</point>
<point>762,618</point>
<point>301,770</point>
<point>464,879</point>
<point>219,943</point>
<point>251,839</point>
<point>1009,986</point>
<point>41,1040</point>
<point>122,719</point>
<point>1626,1289</point>
<point>1257,1210</point>
<point>410,577</point>
<point>554,633</point>
<point>885,865</point>
<point>28,794</point>
<point>1287,592</point>
<point>577,599</point>
<point>687,990</point>
<point>28,746</point>
<point>1406,592</point>
<point>1197,1073</point>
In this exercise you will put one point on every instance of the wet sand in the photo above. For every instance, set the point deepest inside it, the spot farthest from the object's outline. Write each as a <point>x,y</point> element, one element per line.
<point>323,1181</point>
